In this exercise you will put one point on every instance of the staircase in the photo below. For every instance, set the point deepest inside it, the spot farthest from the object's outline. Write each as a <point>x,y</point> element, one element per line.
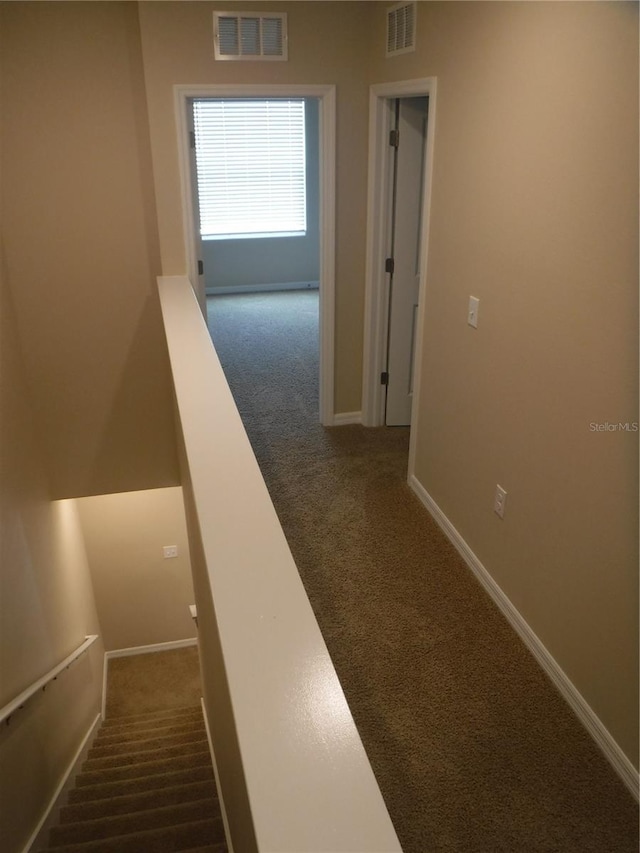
<point>147,786</point>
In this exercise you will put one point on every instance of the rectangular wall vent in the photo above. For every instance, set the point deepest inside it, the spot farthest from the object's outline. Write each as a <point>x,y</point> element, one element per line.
<point>401,28</point>
<point>250,35</point>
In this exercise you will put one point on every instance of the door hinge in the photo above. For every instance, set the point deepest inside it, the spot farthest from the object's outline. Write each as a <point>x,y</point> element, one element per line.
<point>389,265</point>
<point>394,138</point>
<point>384,378</point>
<point>200,268</point>
<point>192,139</point>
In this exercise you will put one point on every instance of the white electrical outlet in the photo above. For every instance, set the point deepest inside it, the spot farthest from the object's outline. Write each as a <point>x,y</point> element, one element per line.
<point>499,501</point>
<point>170,551</point>
<point>474,308</point>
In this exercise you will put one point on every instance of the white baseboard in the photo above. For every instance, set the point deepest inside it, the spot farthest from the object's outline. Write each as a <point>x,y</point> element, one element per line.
<point>37,839</point>
<point>156,647</point>
<point>600,734</point>
<point>105,673</point>
<point>345,418</point>
<point>262,288</point>
<point>223,811</point>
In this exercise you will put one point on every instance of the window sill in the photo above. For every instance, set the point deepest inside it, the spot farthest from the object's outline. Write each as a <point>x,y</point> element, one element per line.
<point>258,236</point>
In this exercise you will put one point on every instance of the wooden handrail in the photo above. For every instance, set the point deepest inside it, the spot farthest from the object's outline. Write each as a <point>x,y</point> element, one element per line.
<point>41,683</point>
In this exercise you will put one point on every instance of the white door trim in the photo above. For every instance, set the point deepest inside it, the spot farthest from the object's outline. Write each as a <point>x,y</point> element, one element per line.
<point>327,102</point>
<point>376,285</point>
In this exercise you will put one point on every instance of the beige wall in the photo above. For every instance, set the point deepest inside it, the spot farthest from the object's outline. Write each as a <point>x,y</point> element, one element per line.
<point>327,45</point>
<point>82,245</point>
<point>142,598</point>
<point>535,212</point>
<point>46,609</point>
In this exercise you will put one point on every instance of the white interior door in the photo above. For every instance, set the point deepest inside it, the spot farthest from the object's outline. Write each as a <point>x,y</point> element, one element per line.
<point>405,239</point>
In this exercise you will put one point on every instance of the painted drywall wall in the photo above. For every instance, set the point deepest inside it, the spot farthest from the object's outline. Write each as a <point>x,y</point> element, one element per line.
<point>46,609</point>
<point>535,212</point>
<point>81,244</point>
<point>142,597</point>
<point>278,260</point>
<point>327,45</point>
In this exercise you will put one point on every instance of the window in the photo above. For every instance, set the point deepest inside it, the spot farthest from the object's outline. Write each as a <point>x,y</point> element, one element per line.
<point>250,159</point>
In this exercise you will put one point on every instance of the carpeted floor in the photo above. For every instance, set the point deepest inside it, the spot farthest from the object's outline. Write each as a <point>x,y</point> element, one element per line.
<point>472,747</point>
<point>159,681</point>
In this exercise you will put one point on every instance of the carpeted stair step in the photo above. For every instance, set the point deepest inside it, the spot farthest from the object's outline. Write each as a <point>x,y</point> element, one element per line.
<point>135,719</point>
<point>168,839</point>
<point>168,779</point>
<point>151,767</point>
<point>158,720</point>
<point>210,848</point>
<point>161,724</point>
<point>147,744</point>
<point>139,801</point>
<point>159,752</point>
<point>146,786</point>
<point>116,737</point>
<point>124,824</point>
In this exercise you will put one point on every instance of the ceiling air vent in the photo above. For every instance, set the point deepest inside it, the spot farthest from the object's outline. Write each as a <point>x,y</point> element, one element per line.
<point>250,35</point>
<point>401,28</point>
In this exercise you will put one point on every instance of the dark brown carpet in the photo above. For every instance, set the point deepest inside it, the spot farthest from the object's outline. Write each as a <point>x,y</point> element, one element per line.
<point>472,747</point>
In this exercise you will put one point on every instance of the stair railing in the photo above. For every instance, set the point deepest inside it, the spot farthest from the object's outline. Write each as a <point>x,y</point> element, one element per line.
<point>41,684</point>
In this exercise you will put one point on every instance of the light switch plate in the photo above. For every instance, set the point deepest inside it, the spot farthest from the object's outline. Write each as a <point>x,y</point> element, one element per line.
<point>500,501</point>
<point>474,308</point>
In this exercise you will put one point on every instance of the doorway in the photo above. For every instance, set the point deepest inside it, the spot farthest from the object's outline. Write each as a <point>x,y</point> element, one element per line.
<point>408,104</point>
<point>407,146</point>
<point>256,182</point>
<point>325,95</point>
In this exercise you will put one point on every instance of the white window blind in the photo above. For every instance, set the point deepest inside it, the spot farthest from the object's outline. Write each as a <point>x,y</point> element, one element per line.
<point>250,159</point>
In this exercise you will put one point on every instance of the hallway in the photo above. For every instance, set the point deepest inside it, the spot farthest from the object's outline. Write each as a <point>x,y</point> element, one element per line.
<point>471,745</point>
